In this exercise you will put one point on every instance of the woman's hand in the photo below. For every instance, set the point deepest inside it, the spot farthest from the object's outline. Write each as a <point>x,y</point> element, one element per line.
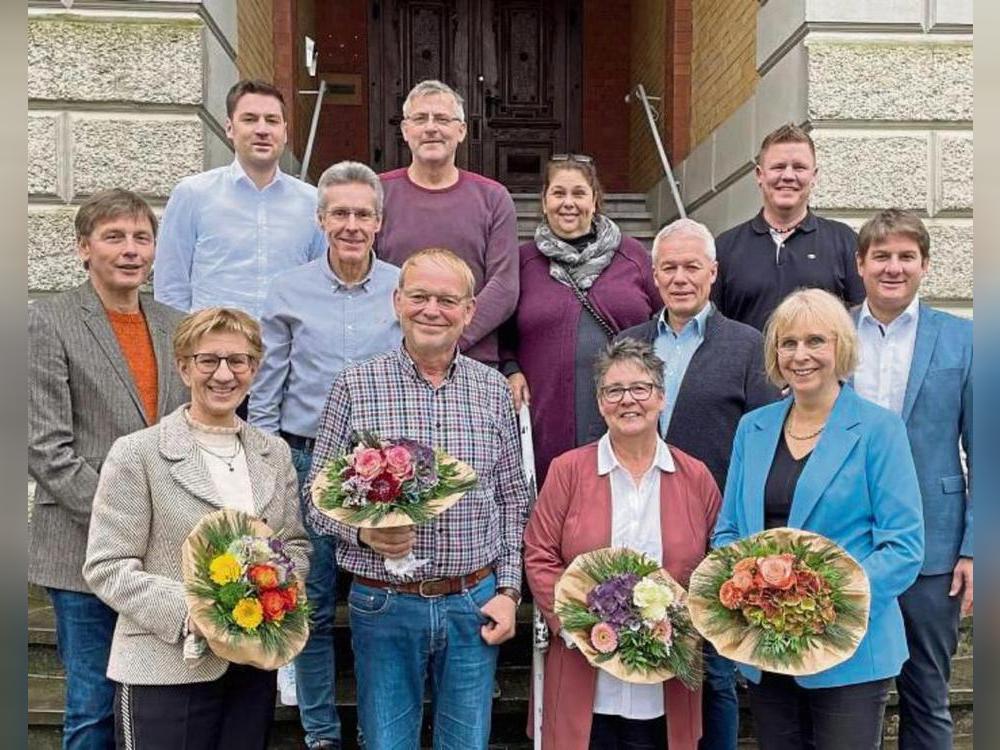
<point>519,390</point>
<point>193,629</point>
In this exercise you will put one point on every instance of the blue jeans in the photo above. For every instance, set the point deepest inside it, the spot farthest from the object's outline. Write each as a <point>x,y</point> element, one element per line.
<point>402,641</point>
<point>720,710</point>
<point>84,628</point>
<point>315,674</point>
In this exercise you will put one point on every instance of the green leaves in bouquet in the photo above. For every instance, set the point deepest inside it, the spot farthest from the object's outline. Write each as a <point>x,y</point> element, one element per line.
<point>600,566</point>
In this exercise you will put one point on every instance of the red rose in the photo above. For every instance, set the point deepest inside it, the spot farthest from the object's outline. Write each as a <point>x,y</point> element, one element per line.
<point>384,488</point>
<point>291,597</point>
<point>730,595</point>
<point>273,603</point>
<point>264,577</point>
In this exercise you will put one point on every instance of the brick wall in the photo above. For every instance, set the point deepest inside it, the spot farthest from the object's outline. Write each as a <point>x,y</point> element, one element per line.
<point>255,53</point>
<point>723,64</point>
<point>648,66</point>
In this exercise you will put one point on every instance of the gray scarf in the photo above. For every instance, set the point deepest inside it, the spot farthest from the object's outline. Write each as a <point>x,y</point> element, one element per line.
<point>583,266</point>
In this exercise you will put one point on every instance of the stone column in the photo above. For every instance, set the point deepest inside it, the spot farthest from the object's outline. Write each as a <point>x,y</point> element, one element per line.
<point>886,89</point>
<point>130,97</point>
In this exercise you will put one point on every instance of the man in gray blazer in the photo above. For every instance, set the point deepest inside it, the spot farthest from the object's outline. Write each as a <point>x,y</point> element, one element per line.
<point>100,367</point>
<point>917,362</point>
<point>714,375</point>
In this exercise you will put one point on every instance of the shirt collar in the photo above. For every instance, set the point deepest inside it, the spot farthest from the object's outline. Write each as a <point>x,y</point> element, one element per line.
<point>699,321</point>
<point>607,460</point>
<point>340,283</point>
<point>237,173</point>
<point>760,226</point>
<point>910,314</point>
<point>410,367</point>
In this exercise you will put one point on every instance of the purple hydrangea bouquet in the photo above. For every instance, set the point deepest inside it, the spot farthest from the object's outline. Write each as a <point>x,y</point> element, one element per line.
<point>629,617</point>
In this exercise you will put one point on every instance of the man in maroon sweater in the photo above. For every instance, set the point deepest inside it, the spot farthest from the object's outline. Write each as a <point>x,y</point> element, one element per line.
<point>433,203</point>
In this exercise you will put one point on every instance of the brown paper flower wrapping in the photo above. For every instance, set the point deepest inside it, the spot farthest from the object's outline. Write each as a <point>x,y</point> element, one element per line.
<point>737,643</point>
<point>396,518</point>
<point>574,584</point>
<point>236,649</point>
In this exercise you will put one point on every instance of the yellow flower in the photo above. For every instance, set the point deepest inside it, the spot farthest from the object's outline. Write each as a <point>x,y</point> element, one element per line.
<point>248,613</point>
<point>225,568</point>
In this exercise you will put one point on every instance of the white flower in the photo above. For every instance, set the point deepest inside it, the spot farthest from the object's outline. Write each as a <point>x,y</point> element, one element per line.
<point>652,598</point>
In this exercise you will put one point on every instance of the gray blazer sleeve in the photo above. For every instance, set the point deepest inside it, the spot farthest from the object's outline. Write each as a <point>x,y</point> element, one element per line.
<point>52,460</point>
<point>117,545</point>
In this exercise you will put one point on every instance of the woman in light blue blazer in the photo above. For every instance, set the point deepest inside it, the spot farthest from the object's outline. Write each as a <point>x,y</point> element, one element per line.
<point>828,461</point>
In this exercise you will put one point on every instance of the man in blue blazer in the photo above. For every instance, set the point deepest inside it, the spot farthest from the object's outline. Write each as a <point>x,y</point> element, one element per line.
<point>917,362</point>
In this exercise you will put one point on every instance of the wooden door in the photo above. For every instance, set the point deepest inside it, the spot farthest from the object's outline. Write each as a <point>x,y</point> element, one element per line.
<point>516,62</point>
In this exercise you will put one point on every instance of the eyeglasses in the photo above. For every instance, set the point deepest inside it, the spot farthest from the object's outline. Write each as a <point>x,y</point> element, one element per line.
<point>788,346</point>
<point>579,158</point>
<point>422,118</point>
<point>343,215</point>
<point>208,363</point>
<point>639,391</point>
<point>446,302</point>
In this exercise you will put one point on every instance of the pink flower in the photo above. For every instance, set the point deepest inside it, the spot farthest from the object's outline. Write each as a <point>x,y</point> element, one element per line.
<point>664,630</point>
<point>777,570</point>
<point>399,462</point>
<point>367,462</point>
<point>604,638</point>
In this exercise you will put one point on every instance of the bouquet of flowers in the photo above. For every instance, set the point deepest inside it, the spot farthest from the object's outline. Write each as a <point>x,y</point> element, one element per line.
<point>242,591</point>
<point>628,616</point>
<point>784,600</point>
<point>387,483</point>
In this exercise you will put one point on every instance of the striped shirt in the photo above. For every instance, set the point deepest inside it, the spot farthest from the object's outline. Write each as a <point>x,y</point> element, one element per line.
<point>471,416</point>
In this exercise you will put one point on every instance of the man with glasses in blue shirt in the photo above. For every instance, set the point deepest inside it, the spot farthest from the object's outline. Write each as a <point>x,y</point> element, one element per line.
<point>317,320</point>
<point>227,232</point>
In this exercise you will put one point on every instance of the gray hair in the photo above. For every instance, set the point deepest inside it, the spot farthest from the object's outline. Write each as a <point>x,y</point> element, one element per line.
<point>349,173</point>
<point>628,351</point>
<point>685,228</point>
<point>432,86</point>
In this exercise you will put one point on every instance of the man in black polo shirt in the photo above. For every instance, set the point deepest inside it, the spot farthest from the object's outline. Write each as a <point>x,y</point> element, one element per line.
<point>785,246</point>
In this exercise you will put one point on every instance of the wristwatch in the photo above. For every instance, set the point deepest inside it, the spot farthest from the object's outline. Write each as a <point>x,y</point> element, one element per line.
<point>511,592</point>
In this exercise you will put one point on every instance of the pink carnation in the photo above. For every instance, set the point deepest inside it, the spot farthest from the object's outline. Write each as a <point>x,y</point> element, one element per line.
<point>664,630</point>
<point>367,462</point>
<point>399,462</point>
<point>603,638</point>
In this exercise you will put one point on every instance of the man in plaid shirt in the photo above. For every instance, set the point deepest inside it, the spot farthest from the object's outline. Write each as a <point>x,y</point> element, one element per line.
<point>447,623</point>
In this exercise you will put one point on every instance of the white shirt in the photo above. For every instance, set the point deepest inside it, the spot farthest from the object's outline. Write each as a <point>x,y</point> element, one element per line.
<point>886,352</point>
<point>223,455</point>
<point>635,523</point>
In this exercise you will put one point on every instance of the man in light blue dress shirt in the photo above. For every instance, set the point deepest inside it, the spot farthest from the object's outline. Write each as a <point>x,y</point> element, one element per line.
<point>226,233</point>
<point>318,319</point>
<point>917,362</point>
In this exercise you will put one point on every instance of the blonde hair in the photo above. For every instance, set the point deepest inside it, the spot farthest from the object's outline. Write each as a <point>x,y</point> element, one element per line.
<point>812,307</point>
<point>442,257</point>
<point>194,327</point>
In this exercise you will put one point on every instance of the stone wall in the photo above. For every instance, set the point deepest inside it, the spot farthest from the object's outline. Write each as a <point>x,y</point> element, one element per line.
<point>886,89</point>
<point>132,97</point>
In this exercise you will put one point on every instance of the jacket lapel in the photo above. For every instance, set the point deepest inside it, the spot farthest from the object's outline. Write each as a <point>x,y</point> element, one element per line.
<point>837,442</point>
<point>263,474</point>
<point>928,324</point>
<point>161,335</point>
<point>187,469</point>
<point>99,326</point>
<point>761,443</point>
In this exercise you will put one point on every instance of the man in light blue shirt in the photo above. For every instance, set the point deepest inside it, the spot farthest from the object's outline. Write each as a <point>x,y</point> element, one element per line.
<point>917,362</point>
<point>318,319</point>
<point>227,232</point>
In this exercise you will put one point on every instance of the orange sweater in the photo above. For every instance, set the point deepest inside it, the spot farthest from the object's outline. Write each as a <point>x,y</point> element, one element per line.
<point>137,346</point>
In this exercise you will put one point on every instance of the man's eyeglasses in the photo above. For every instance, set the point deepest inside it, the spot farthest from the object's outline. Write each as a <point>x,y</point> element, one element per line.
<point>579,158</point>
<point>207,363</point>
<point>446,302</point>
<point>422,118</point>
<point>362,215</point>
<point>639,391</point>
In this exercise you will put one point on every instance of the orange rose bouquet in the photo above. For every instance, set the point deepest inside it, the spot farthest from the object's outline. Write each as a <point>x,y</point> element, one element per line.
<point>242,591</point>
<point>785,600</point>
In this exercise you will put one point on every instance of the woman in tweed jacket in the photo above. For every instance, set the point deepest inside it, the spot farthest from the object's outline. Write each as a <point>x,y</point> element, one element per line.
<point>155,485</point>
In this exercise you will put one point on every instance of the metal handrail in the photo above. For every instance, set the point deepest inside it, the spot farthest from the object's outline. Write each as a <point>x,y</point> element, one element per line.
<point>644,99</point>
<point>307,156</point>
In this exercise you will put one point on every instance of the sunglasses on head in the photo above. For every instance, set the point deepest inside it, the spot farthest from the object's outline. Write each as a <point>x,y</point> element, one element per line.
<point>581,158</point>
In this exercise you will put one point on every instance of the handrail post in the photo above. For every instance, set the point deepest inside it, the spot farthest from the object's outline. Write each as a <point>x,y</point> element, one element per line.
<point>640,91</point>
<point>304,172</point>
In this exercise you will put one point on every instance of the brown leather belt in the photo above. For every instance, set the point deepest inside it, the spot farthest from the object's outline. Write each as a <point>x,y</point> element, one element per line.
<point>430,587</point>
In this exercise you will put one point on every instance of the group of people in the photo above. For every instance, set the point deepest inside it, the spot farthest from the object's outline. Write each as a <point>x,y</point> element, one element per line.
<point>783,374</point>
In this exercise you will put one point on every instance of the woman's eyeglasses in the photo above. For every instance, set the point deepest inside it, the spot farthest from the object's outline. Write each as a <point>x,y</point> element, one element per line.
<point>639,391</point>
<point>207,363</point>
